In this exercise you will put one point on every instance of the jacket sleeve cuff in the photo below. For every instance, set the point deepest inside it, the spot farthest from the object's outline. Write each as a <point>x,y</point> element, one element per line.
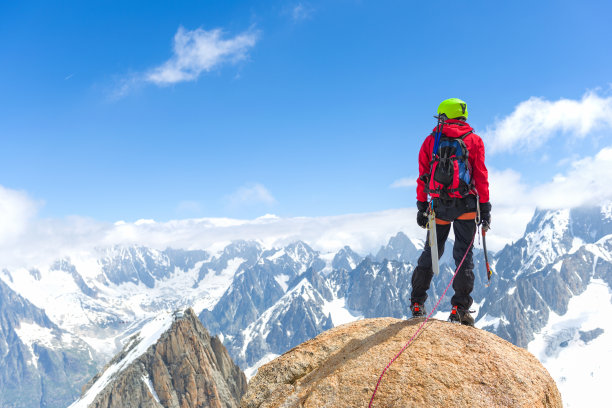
<point>422,206</point>
<point>485,207</point>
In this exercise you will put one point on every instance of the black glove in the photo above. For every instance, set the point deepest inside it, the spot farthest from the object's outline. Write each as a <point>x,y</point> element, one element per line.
<point>485,216</point>
<point>423,208</point>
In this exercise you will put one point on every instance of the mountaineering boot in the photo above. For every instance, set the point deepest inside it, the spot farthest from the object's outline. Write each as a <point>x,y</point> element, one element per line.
<point>461,316</point>
<point>418,309</point>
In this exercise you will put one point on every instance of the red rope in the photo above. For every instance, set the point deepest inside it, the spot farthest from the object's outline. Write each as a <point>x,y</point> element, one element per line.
<point>422,324</point>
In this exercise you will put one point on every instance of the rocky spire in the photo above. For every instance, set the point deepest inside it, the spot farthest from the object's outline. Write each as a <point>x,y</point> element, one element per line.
<point>172,363</point>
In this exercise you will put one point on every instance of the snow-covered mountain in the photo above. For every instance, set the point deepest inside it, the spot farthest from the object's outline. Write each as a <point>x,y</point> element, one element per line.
<point>552,295</point>
<point>41,365</point>
<point>95,302</point>
<point>263,301</point>
<point>275,305</point>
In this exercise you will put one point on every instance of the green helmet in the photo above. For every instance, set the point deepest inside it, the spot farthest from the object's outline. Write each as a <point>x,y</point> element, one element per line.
<point>453,108</point>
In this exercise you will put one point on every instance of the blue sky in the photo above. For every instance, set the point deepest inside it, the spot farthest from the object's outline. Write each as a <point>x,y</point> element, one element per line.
<point>304,108</point>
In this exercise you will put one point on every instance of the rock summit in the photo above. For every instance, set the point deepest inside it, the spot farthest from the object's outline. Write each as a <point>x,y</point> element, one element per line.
<point>447,365</point>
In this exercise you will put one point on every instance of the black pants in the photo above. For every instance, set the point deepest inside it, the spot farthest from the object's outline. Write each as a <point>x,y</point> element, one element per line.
<point>464,281</point>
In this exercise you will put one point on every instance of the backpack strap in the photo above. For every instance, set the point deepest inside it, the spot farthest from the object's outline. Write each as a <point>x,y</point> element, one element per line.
<point>468,133</point>
<point>467,162</point>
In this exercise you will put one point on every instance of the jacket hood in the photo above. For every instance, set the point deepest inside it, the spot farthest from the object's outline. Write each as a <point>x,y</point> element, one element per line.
<point>454,128</point>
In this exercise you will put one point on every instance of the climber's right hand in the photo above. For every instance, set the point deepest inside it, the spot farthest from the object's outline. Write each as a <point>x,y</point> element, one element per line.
<point>485,216</point>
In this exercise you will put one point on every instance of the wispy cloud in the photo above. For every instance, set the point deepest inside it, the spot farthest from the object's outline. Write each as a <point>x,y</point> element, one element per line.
<point>125,85</point>
<point>301,11</point>
<point>405,182</point>
<point>536,120</point>
<point>250,195</point>
<point>194,52</point>
<point>198,51</point>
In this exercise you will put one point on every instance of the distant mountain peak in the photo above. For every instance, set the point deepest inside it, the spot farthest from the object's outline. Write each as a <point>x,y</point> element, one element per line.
<point>547,236</point>
<point>240,246</point>
<point>553,233</point>
<point>346,259</point>
<point>300,251</point>
<point>399,248</point>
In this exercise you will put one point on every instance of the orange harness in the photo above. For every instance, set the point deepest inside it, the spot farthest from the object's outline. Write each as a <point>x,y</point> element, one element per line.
<point>465,216</point>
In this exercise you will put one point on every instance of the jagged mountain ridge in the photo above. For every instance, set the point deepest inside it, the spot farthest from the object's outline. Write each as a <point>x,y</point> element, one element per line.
<point>259,317</point>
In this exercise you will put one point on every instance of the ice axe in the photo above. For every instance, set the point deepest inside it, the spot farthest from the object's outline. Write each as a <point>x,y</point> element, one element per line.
<point>484,228</point>
<point>484,246</point>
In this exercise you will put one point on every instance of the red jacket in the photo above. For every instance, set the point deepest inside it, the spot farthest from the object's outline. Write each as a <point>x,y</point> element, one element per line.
<point>473,142</point>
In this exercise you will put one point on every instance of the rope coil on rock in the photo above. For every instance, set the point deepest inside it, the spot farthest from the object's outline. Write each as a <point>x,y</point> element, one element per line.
<point>422,324</point>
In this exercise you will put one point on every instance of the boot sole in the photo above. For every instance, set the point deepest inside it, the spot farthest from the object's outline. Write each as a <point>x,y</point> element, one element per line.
<point>461,323</point>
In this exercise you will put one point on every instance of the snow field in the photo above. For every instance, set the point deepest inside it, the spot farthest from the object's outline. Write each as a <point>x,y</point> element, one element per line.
<point>583,371</point>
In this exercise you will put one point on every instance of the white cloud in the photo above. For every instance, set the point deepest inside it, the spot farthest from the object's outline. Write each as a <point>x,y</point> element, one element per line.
<point>45,240</point>
<point>198,51</point>
<point>514,201</point>
<point>513,207</point>
<point>16,211</point>
<point>536,120</point>
<point>587,182</point>
<point>31,241</point>
<point>251,194</point>
<point>405,182</point>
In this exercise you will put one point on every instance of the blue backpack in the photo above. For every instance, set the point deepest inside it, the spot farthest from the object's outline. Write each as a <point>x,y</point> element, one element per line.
<point>451,174</point>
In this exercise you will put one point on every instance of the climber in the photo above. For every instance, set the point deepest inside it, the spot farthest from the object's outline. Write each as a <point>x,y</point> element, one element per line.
<point>456,179</point>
